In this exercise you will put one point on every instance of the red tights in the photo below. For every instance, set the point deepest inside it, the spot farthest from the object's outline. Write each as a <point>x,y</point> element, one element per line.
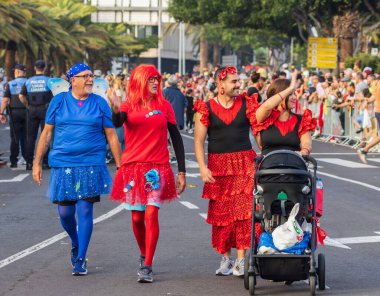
<point>146,229</point>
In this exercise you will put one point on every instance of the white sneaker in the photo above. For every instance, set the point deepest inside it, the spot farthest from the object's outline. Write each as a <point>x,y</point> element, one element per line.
<point>238,269</point>
<point>21,161</point>
<point>191,131</point>
<point>225,268</point>
<point>362,156</point>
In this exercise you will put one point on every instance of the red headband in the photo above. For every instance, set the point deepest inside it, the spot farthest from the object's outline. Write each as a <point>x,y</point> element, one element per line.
<point>228,70</point>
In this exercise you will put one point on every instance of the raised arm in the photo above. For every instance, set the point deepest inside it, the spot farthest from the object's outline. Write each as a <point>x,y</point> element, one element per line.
<point>271,103</point>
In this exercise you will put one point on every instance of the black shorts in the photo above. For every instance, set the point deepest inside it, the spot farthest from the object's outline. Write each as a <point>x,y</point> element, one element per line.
<point>92,199</point>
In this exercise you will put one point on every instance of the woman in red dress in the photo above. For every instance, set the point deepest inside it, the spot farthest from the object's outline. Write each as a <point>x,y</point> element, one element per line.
<point>276,127</point>
<point>145,179</point>
<point>228,175</point>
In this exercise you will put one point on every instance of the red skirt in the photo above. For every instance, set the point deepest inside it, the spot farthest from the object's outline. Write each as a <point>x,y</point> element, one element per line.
<point>230,206</point>
<point>135,183</point>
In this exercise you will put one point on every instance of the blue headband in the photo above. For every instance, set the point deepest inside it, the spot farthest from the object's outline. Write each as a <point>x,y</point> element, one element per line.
<point>74,70</point>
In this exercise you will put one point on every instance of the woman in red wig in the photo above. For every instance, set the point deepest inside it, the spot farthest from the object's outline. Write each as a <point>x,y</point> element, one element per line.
<point>145,179</point>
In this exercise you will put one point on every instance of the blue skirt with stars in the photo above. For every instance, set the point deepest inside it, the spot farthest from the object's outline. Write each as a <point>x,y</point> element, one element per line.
<point>75,183</point>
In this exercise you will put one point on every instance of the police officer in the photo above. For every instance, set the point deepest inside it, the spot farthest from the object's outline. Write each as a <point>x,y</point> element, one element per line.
<point>36,95</point>
<point>17,113</point>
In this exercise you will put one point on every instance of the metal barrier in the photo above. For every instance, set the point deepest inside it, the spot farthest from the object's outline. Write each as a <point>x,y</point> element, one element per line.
<point>338,125</point>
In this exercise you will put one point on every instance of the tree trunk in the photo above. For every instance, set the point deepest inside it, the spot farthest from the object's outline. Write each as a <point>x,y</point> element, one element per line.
<point>29,64</point>
<point>203,51</point>
<point>10,57</point>
<point>216,54</point>
<point>346,48</point>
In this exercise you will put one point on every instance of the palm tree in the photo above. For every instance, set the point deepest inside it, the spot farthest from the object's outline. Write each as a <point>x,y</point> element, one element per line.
<point>346,28</point>
<point>13,21</point>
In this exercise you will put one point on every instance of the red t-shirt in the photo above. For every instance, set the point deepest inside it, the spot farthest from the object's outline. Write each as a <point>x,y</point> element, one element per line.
<point>146,134</point>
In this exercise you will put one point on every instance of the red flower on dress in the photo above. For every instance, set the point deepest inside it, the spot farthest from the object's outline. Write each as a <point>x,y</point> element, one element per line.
<point>228,70</point>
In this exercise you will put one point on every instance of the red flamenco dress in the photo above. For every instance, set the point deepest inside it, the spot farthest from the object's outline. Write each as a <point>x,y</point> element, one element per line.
<point>145,176</point>
<point>231,161</point>
<point>283,135</point>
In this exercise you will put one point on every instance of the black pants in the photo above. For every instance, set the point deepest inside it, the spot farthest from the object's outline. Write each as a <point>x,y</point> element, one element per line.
<point>36,119</point>
<point>189,119</point>
<point>18,133</point>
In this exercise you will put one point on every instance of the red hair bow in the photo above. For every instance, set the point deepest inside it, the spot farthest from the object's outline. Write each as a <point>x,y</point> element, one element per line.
<point>228,70</point>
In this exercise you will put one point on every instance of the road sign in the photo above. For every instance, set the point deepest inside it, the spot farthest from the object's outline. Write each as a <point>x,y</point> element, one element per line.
<point>322,52</point>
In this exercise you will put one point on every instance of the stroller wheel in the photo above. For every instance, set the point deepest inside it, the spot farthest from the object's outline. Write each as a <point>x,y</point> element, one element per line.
<point>246,267</point>
<point>252,284</point>
<point>313,283</point>
<point>321,272</point>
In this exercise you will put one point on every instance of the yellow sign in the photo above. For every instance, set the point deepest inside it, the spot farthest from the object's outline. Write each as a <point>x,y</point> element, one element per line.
<point>322,46</point>
<point>322,40</point>
<point>322,64</point>
<point>322,52</point>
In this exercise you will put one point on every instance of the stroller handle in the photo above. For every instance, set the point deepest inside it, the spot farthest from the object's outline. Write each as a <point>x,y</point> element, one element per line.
<point>308,158</point>
<point>283,171</point>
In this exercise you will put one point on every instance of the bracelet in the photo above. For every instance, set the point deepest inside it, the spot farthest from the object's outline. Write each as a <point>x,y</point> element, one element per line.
<point>181,174</point>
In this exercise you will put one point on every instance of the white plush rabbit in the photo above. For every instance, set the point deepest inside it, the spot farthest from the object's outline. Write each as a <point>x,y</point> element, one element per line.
<point>289,233</point>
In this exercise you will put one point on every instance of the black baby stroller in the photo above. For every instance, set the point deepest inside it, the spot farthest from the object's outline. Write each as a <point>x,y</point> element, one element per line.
<point>283,179</point>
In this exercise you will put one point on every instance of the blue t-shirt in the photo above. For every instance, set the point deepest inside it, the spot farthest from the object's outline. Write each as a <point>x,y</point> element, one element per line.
<point>78,138</point>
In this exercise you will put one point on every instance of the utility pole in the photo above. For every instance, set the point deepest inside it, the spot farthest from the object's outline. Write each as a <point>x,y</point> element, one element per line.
<point>159,35</point>
<point>291,50</point>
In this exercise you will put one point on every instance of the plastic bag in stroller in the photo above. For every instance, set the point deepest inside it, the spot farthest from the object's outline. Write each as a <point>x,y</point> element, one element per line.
<point>284,183</point>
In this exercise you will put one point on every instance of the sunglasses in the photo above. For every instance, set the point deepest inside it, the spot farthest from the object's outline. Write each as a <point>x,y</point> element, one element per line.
<point>154,78</point>
<point>85,76</point>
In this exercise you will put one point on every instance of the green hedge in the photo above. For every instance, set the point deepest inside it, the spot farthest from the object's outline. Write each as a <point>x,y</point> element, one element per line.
<point>366,61</point>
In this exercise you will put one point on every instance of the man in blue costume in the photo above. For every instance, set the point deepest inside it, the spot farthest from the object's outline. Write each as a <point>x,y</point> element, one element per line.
<point>78,123</point>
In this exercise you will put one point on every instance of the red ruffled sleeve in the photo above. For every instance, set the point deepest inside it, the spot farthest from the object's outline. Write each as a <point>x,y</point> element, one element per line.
<point>262,126</point>
<point>252,105</point>
<point>202,109</point>
<point>308,123</point>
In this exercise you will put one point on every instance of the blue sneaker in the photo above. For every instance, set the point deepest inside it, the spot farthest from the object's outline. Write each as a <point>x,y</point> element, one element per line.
<point>80,267</point>
<point>74,255</point>
<point>145,274</point>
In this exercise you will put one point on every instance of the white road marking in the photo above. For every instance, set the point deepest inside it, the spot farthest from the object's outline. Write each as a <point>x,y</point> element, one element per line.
<point>191,164</point>
<point>189,205</point>
<point>374,159</point>
<point>334,243</point>
<point>346,163</point>
<point>18,178</point>
<point>351,181</point>
<point>360,239</point>
<point>203,215</point>
<point>195,175</point>
<point>52,240</point>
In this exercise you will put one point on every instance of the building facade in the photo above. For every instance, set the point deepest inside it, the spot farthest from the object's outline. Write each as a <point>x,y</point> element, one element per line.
<point>175,52</point>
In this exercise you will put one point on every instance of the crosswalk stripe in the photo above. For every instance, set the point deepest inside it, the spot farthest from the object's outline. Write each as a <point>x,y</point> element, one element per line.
<point>374,159</point>
<point>189,205</point>
<point>203,215</point>
<point>190,164</point>
<point>346,163</point>
<point>18,178</point>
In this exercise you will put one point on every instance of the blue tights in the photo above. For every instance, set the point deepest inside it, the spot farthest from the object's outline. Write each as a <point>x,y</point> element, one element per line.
<point>80,238</point>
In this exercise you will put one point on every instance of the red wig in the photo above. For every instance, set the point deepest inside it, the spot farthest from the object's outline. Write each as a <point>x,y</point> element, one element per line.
<point>137,89</point>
